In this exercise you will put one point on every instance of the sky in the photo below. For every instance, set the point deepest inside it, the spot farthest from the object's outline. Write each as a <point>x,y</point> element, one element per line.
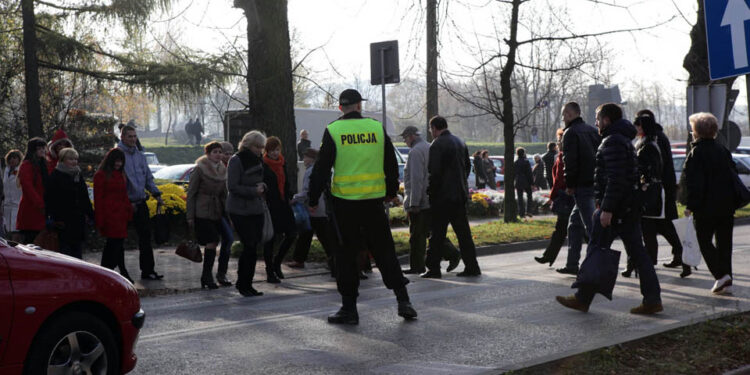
<point>343,30</point>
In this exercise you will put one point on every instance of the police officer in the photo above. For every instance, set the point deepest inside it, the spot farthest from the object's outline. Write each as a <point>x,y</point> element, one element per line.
<point>365,173</point>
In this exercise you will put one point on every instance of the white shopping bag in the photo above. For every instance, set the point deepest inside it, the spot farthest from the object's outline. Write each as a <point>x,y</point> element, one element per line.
<point>691,252</point>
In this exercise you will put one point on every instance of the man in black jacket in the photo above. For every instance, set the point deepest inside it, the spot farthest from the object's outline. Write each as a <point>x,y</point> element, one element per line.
<point>579,145</point>
<point>449,168</point>
<point>357,201</point>
<point>549,160</point>
<point>618,213</point>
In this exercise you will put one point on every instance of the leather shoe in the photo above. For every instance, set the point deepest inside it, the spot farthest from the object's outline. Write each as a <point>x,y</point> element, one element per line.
<point>469,273</point>
<point>567,271</point>
<point>673,264</point>
<point>406,310</point>
<point>647,308</point>
<point>430,274</point>
<point>572,302</point>
<point>453,264</point>
<point>542,260</point>
<point>344,317</point>
<point>249,292</point>
<point>412,271</point>
<point>151,276</point>
<point>686,271</point>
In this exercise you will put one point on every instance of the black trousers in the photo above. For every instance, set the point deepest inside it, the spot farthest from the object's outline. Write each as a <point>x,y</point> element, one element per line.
<point>114,254</point>
<point>718,257</point>
<point>652,227</point>
<point>364,221</point>
<point>143,228</point>
<point>419,231</point>
<point>453,213</point>
<point>287,239</point>
<point>249,228</point>
<point>321,227</point>
<point>523,209</point>
<point>557,240</point>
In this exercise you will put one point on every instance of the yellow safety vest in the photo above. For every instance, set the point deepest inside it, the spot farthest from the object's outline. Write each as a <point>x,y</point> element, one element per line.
<point>358,169</point>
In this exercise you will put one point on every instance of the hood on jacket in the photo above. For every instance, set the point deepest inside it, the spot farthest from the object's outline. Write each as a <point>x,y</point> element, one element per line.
<point>210,170</point>
<point>59,137</point>
<point>622,127</point>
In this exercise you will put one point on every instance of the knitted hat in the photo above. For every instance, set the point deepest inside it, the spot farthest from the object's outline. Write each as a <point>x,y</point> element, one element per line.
<point>58,138</point>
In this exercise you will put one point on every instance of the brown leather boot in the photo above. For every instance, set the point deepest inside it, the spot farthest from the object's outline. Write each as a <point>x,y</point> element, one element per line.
<point>572,302</point>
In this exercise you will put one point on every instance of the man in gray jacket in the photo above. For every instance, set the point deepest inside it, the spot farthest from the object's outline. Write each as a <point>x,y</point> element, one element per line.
<point>417,204</point>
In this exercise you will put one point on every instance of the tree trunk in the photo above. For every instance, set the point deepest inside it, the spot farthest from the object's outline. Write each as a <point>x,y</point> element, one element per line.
<point>269,77</point>
<point>31,64</point>
<point>432,56</point>
<point>509,202</point>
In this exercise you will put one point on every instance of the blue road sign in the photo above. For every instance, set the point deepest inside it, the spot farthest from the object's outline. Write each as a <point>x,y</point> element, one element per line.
<point>727,37</point>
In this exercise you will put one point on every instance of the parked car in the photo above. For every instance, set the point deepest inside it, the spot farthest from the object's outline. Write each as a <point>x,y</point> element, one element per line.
<point>62,315</point>
<point>153,162</point>
<point>179,173</point>
<point>741,160</point>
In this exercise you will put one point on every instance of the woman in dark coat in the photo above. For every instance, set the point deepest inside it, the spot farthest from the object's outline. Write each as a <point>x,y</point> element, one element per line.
<point>68,204</point>
<point>490,170</point>
<point>32,176</point>
<point>707,190</point>
<point>480,177</point>
<point>113,209</point>
<point>524,180</point>
<point>538,171</point>
<point>278,198</point>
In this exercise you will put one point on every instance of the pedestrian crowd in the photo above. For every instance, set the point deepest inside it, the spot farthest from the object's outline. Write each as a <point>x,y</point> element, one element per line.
<point>613,180</point>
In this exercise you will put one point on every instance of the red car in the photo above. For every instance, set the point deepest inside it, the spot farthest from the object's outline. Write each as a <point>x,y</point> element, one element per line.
<point>62,315</point>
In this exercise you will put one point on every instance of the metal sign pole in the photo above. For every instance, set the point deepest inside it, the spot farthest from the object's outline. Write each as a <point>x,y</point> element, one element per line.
<point>382,82</point>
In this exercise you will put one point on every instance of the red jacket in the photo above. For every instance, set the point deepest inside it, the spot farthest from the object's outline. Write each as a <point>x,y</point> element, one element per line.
<point>558,176</point>
<point>111,204</point>
<point>31,215</point>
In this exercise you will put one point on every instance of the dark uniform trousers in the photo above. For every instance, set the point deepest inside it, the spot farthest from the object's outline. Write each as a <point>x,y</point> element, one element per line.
<point>419,229</point>
<point>143,228</point>
<point>364,221</point>
<point>453,213</point>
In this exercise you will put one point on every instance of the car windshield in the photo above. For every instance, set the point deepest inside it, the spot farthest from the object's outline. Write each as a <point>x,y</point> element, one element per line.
<point>174,172</point>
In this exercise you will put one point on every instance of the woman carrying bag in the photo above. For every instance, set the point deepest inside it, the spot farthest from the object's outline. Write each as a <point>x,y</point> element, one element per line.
<point>68,204</point>
<point>245,205</point>
<point>278,198</point>
<point>206,197</point>
<point>32,176</point>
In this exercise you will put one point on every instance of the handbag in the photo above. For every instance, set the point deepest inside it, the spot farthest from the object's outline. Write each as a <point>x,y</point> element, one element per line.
<point>691,252</point>
<point>599,270</point>
<point>267,234</point>
<point>48,239</point>
<point>190,251</point>
<point>741,193</point>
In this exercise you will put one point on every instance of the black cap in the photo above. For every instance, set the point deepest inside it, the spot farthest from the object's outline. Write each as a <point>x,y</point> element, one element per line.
<point>350,96</point>
<point>410,130</point>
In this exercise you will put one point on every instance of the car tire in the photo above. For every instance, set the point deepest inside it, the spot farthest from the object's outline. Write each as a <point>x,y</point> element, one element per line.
<point>56,343</point>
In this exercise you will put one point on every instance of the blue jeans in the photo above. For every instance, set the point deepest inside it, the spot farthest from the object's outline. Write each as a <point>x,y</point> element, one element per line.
<point>629,231</point>
<point>227,239</point>
<point>580,220</point>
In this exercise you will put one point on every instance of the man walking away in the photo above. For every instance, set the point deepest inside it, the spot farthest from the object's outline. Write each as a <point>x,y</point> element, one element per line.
<point>549,160</point>
<point>579,145</point>
<point>139,180</point>
<point>449,168</point>
<point>524,180</point>
<point>365,173</point>
<point>619,211</point>
<point>417,203</point>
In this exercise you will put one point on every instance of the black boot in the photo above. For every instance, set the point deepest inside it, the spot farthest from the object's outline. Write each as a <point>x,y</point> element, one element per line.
<point>271,276</point>
<point>207,279</point>
<point>629,270</point>
<point>686,271</point>
<point>676,262</point>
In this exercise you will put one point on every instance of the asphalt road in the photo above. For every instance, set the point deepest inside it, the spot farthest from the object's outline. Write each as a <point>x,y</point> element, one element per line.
<point>505,319</point>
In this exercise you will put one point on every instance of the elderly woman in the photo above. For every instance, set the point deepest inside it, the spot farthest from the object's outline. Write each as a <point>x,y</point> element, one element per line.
<point>11,190</point>
<point>538,172</point>
<point>245,205</point>
<point>206,197</point>
<point>278,197</point>
<point>32,176</point>
<point>68,204</point>
<point>706,189</point>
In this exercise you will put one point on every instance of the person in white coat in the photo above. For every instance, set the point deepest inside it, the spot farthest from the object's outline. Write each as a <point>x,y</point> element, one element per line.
<point>11,191</point>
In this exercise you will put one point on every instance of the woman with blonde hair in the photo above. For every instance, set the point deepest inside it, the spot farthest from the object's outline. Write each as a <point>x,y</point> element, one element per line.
<point>68,204</point>
<point>245,205</point>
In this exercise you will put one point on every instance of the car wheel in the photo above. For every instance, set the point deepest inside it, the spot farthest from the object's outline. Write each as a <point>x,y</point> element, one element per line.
<point>74,343</point>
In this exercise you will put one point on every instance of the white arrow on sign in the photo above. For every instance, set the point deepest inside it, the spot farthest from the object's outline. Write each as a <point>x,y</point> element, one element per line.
<point>735,15</point>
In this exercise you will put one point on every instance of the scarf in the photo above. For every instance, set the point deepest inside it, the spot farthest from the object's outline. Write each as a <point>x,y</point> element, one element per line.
<point>277,166</point>
<point>74,172</point>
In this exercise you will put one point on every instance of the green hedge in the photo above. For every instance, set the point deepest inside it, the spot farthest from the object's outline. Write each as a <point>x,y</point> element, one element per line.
<point>177,154</point>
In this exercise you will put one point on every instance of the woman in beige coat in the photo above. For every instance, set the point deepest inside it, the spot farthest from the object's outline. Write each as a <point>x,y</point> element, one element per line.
<point>206,196</point>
